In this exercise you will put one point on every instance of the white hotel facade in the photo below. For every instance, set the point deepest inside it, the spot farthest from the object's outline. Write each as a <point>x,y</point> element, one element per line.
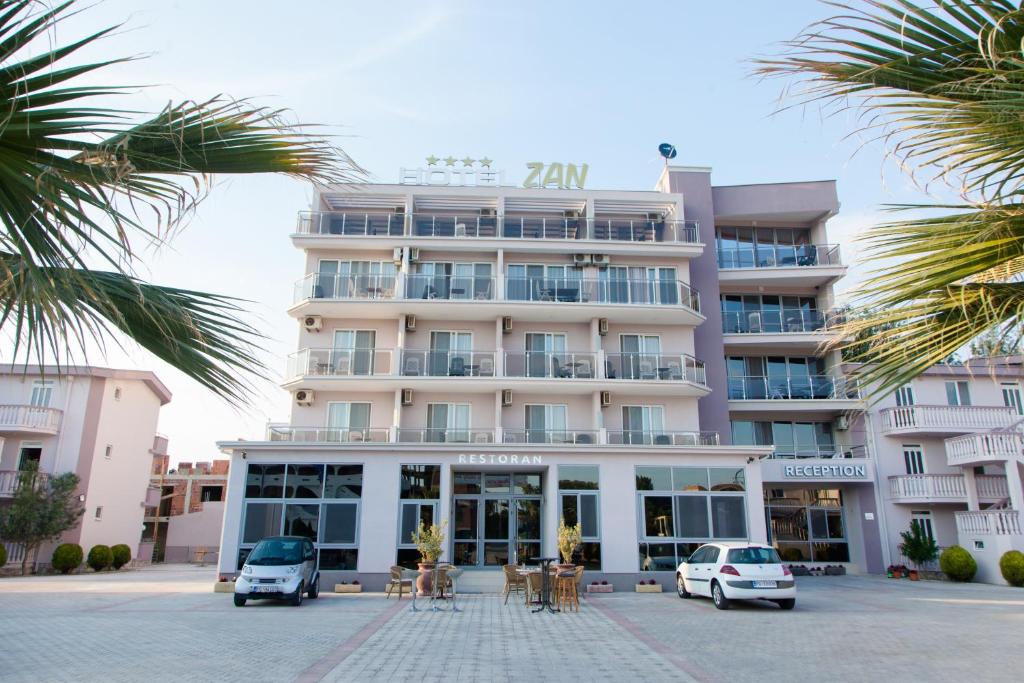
<point>644,362</point>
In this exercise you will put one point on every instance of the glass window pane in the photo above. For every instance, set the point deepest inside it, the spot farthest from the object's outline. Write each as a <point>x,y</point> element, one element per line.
<point>657,557</point>
<point>728,517</point>
<point>692,516</point>
<point>261,520</point>
<point>265,481</point>
<point>653,479</point>
<point>496,483</point>
<point>344,481</point>
<point>578,477</point>
<point>527,484</point>
<point>408,523</point>
<point>421,481</point>
<point>588,515</point>
<point>467,482</point>
<point>305,481</point>
<point>570,509</point>
<point>338,523</point>
<point>465,526</point>
<point>727,478</point>
<point>788,524</point>
<point>658,516</point>
<point>743,433</point>
<point>834,520</point>
<point>588,554</point>
<point>339,558</point>
<point>831,552</point>
<point>301,520</point>
<point>496,519</point>
<point>408,558</point>
<point>690,478</point>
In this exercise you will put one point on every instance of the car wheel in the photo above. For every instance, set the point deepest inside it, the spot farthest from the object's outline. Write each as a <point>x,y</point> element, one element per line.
<point>681,588</point>
<point>239,600</point>
<point>314,589</point>
<point>788,603</point>
<point>297,597</point>
<point>721,602</point>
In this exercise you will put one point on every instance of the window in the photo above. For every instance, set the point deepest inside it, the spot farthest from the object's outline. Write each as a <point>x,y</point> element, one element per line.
<point>1011,397</point>
<point>579,502</point>
<point>446,280</point>
<point>421,482</point>
<point>913,459</point>
<point>639,284</point>
<point>30,452</point>
<point>791,439</point>
<point>643,424</point>
<point>348,421</point>
<point>42,392</point>
<point>754,313</point>
<point>741,247</point>
<point>539,282</point>
<point>352,353</point>
<point>905,395</point>
<point>421,493</point>
<point>211,494</point>
<point>778,377</point>
<point>958,394</point>
<point>448,422</point>
<point>108,451</point>
<point>99,512</point>
<point>117,393</point>
<point>354,280</point>
<point>807,525</point>
<point>546,423</point>
<point>924,520</point>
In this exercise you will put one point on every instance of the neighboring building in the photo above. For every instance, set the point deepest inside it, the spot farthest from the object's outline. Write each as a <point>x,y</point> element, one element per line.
<point>99,423</point>
<point>949,449</point>
<point>500,357</point>
<point>186,526</point>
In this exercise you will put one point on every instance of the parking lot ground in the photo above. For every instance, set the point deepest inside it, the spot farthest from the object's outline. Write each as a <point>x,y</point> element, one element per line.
<point>164,624</point>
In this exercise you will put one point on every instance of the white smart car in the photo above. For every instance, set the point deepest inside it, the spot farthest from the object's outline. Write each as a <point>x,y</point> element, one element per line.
<point>279,568</point>
<point>736,571</point>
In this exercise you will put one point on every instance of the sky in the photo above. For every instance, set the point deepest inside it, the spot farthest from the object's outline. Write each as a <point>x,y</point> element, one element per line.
<point>582,82</point>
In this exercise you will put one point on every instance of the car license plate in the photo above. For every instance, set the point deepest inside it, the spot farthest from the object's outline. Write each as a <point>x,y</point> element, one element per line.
<point>264,589</point>
<point>766,584</point>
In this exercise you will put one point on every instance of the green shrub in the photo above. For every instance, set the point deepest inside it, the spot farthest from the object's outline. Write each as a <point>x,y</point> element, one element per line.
<point>3,555</point>
<point>67,557</point>
<point>100,557</point>
<point>1011,565</point>
<point>121,554</point>
<point>956,563</point>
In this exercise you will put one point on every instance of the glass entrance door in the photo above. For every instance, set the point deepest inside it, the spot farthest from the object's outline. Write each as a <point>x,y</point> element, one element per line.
<point>499,525</point>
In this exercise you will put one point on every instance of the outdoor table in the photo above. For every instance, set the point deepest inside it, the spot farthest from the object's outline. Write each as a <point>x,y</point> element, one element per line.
<point>545,591</point>
<point>663,373</point>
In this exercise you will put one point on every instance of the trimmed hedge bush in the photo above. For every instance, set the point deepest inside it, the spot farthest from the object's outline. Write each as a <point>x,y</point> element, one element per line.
<point>3,555</point>
<point>1011,566</point>
<point>121,555</point>
<point>957,563</point>
<point>67,557</point>
<point>100,557</point>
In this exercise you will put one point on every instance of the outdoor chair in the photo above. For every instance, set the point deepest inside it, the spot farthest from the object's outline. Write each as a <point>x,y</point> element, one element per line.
<point>412,366</point>
<point>514,583</point>
<point>647,370</point>
<point>486,368</point>
<point>397,580</point>
<point>579,581</point>
<point>534,584</point>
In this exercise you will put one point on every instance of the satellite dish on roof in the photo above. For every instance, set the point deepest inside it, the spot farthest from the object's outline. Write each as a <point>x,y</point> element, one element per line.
<point>667,150</point>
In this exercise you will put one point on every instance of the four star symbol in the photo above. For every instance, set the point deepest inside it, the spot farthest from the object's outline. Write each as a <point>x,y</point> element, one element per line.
<point>432,160</point>
<point>485,162</point>
<point>467,161</point>
<point>450,161</point>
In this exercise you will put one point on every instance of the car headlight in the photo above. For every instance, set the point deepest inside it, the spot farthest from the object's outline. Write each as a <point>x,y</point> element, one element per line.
<point>293,570</point>
<point>246,569</point>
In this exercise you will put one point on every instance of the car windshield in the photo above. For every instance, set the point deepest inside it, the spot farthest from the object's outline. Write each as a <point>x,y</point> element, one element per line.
<point>269,552</point>
<point>753,556</point>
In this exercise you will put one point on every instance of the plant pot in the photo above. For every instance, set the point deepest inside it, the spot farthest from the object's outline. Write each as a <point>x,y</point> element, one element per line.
<point>565,567</point>
<point>648,588</point>
<point>224,587</point>
<point>591,588</point>
<point>347,588</point>
<point>914,575</point>
<point>897,574</point>
<point>424,583</point>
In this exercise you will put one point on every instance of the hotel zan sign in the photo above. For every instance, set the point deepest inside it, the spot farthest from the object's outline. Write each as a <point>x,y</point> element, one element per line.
<point>478,173</point>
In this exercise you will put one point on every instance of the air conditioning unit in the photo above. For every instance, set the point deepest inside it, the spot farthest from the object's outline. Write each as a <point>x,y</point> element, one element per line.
<point>410,323</point>
<point>842,423</point>
<point>599,259</point>
<point>580,259</point>
<point>414,254</point>
<point>313,323</point>
<point>396,256</point>
<point>602,326</point>
<point>606,399</point>
<point>506,324</point>
<point>506,398</point>
<point>304,397</point>
<point>406,397</point>
<point>488,212</point>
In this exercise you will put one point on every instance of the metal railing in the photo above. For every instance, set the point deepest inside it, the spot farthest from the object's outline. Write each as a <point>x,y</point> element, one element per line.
<point>988,523</point>
<point>388,224</point>
<point>21,416</point>
<point>449,287</point>
<point>629,230</point>
<point>339,362</point>
<point>633,437</point>
<point>823,451</point>
<point>332,286</point>
<point>471,225</point>
<point>778,256</point>
<point>447,363</point>
<point>326,434</point>
<point>786,320</point>
<point>12,480</point>
<point>946,418</point>
<point>655,366</point>
<point>822,387</point>
<point>992,446</point>
<point>550,436</point>
<point>551,364</point>
<point>439,435</point>
<point>605,291</point>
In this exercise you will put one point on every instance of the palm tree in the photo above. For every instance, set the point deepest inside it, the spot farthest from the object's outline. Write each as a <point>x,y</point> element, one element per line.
<point>943,85</point>
<point>82,184</point>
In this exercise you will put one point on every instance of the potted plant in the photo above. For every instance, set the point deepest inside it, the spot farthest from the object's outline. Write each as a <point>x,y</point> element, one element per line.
<point>649,586</point>
<point>345,587</point>
<point>568,538</point>
<point>430,542</point>
<point>918,547</point>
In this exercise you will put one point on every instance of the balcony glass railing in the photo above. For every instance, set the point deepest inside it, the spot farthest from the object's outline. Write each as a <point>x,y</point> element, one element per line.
<point>589,290</point>
<point>327,434</point>
<point>393,224</point>
<point>340,362</point>
<point>439,435</point>
<point>560,364</point>
<point>447,363</point>
<point>655,366</point>
<point>778,256</point>
<point>330,286</point>
<point>646,438</point>
<point>449,287</point>
<point>786,320</point>
<point>550,436</point>
<point>795,388</point>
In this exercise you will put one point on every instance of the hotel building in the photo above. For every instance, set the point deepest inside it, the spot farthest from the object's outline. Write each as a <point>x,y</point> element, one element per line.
<point>497,358</point>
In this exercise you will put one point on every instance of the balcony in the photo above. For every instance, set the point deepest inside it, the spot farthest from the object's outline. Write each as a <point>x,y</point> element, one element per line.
<point>655,367</point>
<point>475,298</point>
<point>944,420</point>
<point>29,419</point>
<point>988,523</point>
<point>648,438</point>
<point>12,480</point>
<point>812,393</point>
<point>326,435</point>
<point>340,363</point>
<point>989,447</point>
<point>794,329</point>
<point>945,488</point>
<point>781,265</point>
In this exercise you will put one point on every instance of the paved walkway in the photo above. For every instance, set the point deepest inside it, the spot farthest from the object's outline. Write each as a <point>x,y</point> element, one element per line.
<point>165,624</point>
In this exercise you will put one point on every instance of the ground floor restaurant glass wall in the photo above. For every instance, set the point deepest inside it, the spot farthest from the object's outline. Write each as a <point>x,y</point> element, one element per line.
<point>807,525</point>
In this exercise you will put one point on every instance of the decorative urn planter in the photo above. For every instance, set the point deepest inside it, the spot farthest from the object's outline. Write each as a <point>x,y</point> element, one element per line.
<point>424,584</point>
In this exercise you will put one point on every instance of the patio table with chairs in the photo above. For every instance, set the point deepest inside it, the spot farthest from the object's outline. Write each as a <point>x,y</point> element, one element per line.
<point>543,586</point>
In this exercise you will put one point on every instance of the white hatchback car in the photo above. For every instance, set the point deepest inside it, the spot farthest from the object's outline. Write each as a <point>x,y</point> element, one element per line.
<point>736,571</point>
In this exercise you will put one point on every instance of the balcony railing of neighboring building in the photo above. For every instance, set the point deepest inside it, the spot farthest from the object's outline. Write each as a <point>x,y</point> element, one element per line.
<point>778,256</point>
<point>551,436</point>
<point>447,363</point>
<point>605,291</point>
<point>20,416</point>
<point>988,523</point>
<point>784,321</point>
<point>445,435</point>
<point>655,366</point>
<point>333,286</point>
<point>946,417</point>
<point>340,362</point>
<point>634,437</point>
<point>12,480</point>
<point>327,435</point>
<point>15,553</point>
<point>989,486</point>
<point>819,387</point>
<point>988,446</point>
<point>551,364</point>
<point>533,227</point>
<point>449,287</point>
